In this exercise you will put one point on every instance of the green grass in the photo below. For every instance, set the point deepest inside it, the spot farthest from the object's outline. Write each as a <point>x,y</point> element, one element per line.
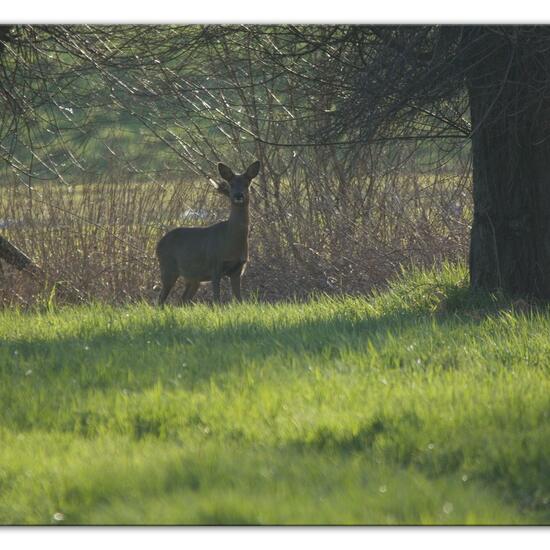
<point>426,404</point>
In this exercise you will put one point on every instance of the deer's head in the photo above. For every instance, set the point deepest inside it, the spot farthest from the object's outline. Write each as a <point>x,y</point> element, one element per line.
<point>235,186</point>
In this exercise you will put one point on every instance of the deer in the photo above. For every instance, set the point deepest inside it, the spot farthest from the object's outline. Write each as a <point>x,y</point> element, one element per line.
<point>203,254</point>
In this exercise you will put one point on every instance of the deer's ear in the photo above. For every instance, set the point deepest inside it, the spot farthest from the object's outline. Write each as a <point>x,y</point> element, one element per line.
<point>225,172</point>
<point>252,170</point>
<point>222,187</point>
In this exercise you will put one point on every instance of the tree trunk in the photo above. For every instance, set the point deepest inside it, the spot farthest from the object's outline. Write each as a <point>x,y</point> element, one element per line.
<point>13,256</point>
<point>510,111</point>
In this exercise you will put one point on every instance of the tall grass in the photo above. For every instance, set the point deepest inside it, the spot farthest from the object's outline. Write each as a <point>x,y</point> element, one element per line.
<point>423,405</point>
<point>330,238</point>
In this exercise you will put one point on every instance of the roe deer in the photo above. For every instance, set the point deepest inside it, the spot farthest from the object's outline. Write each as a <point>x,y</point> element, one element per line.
<point>201,254</point>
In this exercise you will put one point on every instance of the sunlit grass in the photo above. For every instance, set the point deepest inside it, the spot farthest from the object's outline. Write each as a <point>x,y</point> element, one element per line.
<point>425,404</point>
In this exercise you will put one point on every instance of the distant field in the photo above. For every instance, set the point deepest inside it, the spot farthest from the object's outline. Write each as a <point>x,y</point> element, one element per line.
<point>422,405</point>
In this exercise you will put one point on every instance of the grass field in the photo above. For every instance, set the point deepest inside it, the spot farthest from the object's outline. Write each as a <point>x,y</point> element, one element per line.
<point>422,405</point>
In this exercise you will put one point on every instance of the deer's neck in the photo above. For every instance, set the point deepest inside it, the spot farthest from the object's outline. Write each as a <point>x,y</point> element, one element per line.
<point>238,219</point>
<point>238,230</point>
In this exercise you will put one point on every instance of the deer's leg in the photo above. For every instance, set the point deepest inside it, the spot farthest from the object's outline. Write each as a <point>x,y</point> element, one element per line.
<point>191,288</point>
<point>168,277</point>
<point>216,287</point>
<point>236,285</point>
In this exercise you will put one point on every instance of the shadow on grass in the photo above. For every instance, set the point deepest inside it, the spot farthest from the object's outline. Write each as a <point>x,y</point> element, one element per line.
<point>152,351</point>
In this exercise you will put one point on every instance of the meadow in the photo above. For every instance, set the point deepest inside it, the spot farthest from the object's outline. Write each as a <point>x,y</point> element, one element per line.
<point>424,403</point>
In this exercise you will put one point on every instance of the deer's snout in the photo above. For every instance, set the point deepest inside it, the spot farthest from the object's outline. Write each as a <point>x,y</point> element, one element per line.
<point>238,198</point>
